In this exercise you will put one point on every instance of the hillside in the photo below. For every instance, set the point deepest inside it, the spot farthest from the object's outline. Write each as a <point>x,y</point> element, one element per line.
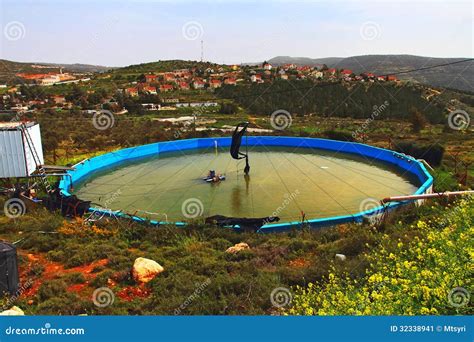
<point>8,69</point>
<point>454,76</point>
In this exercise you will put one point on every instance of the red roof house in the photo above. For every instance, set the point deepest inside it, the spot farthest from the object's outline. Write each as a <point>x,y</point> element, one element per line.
<point>166,87</point>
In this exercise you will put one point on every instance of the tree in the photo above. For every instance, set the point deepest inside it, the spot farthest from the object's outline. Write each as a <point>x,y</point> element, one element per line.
<point>417,119</point>
<point>228,108</point>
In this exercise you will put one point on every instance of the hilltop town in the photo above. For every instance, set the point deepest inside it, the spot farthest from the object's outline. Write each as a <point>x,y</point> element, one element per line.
<point>155,90</point>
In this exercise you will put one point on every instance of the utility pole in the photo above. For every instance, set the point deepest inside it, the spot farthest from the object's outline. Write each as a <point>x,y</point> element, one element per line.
<point>202,51</point>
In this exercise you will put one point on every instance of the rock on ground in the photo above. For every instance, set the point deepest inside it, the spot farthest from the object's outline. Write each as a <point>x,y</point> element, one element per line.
<point>13,311</point>
<point>145,270</point>
<point>237,248</point>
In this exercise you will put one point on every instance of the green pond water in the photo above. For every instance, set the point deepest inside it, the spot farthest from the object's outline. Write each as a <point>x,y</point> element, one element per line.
<point>283,182</point>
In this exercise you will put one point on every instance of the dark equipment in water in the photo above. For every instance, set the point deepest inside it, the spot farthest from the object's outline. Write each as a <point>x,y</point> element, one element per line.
<point>245,224</point>
<point>8,269</point>
<point>240,130</point>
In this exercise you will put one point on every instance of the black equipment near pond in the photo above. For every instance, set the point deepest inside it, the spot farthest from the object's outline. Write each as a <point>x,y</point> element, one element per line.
<point>240,130</point>
<point>9,279</point>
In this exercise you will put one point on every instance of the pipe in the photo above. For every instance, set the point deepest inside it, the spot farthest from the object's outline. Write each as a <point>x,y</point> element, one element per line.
<point>423,196</point>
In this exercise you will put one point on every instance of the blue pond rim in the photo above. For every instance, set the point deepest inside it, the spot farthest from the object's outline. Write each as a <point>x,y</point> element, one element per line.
<point>401,161</point>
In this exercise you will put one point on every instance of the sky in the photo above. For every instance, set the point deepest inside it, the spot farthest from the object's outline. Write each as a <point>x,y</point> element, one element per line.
<point>125,32</point>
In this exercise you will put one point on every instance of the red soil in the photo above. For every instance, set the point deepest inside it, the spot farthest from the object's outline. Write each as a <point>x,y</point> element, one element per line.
<point>129,293</point>
<point>54,270</point>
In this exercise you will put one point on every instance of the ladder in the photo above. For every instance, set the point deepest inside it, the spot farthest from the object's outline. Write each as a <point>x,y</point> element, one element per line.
<point>36,158</point>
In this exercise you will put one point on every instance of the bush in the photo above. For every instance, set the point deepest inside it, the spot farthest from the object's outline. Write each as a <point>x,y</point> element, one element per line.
<point>432,153</point>
<point>338,135</point>
<point>52,288</point>
<point>407,278</point>
<point>74,278</point>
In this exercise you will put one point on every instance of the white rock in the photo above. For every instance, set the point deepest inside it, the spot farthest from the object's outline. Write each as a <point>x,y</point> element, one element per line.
<point>13,311</point>
<point>341,257</point>
<point>145,270</point>
<point>237,248</point>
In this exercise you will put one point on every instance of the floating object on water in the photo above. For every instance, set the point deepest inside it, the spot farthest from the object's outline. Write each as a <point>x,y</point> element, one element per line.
<point>214,179</point>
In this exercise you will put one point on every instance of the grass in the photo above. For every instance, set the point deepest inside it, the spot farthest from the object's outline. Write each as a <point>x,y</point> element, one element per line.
<point>195,257</point>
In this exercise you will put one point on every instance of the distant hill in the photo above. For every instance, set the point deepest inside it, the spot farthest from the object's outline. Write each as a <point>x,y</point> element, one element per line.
<point>280,60</point>
<point>458,76</point>
<point>8,69</point>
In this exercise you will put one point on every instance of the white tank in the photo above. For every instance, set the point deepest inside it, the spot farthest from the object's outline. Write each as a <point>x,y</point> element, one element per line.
<point>19,152</point>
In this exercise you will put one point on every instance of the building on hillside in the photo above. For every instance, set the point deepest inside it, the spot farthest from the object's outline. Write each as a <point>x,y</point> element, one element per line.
<point>149,90</point>
<point>151,106</point>
<point>171,100</point>
<point>257,78</point>
<point>230,81</point>
<point>169,77</point>
<point>215,84</point>
<point>198,84</point>
<point>346,72</point>
<point>317,74</point>
<point>131,91</point>
<point>289,66</point>
<point>150,78</point>
<point>368,75</point>
<point>183,85</point>
<point>49,80</point>
<point>165,88</point>
<point>392,78</point>
<point>58,99</point>
<point>267,66</point>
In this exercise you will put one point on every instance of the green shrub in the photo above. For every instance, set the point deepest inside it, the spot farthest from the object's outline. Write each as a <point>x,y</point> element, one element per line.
<point>74,278</point>
<point>52,288</point>
<point>416,277</point>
